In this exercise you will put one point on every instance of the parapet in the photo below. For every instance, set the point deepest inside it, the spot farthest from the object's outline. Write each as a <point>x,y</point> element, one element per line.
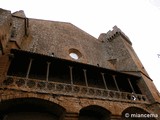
<point>115,32</point>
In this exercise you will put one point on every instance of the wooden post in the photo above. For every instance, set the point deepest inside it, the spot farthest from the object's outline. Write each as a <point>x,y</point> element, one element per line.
<point>85,77</point>
<point>29,68</point>
<point>131,85</point>
<point>104,81</point>
<point>48,66</point>
<point>114,78</point>
<point>71,74</point>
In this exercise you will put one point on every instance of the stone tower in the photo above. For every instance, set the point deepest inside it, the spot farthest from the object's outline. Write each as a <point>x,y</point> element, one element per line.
<point>52,70</point>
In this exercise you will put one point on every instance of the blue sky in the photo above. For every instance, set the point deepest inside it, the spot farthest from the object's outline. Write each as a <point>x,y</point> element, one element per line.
<point>138,19</point>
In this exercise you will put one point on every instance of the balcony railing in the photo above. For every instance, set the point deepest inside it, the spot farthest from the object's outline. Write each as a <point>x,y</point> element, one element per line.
<point>39,86</point>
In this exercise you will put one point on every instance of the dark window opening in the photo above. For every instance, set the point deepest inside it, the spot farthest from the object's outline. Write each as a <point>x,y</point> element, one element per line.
<point>134,83</point>
<point>30,109</point>
<point>94,78</point>
<point>18,67</point>
<point>90,115</point>
<point>94,113</point>
<point>38,70</point>
<point>123,84</point>
<point>78,76</point>
<point>110,82</point>
<point>30,116</point>
<point>59,72</point>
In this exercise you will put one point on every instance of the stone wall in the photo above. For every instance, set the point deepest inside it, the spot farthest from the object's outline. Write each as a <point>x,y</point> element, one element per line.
<point>73,105</point>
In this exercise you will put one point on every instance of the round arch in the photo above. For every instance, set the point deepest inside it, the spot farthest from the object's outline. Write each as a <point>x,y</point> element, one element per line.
<point>94,112</point>
<point>30,108</point>
<point>136,113</point>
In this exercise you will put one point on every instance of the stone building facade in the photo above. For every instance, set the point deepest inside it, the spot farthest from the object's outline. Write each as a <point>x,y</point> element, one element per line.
<point>52,70</point>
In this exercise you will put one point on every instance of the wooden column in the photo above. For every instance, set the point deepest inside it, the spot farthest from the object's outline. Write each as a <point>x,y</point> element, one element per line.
<point>29,68</point>
<point>85,77</point>
<point>71,74</point>
<point>114,78</point>
<point>131,85</point>
<point>48,66</point>
<point>104,81</point>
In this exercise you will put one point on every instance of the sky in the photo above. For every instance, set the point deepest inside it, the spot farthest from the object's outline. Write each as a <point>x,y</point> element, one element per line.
<point>138,19</point>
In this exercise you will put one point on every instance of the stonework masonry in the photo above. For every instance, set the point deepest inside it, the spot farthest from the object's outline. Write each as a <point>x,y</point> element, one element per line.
<point>51,70</point>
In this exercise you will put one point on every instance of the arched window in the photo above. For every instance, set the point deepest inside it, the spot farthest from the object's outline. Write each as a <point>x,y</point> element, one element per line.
<point>94,112</point>
<point>30,109</point>
<point>74,53</point>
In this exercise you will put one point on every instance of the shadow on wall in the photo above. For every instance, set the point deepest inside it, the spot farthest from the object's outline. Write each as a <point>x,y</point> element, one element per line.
<point>30,109</point>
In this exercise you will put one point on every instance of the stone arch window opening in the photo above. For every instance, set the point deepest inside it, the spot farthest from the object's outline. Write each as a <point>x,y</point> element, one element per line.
<point>27,108</point>
<point>94,112</point>
<point>74,53</point>
<point>74,56</point>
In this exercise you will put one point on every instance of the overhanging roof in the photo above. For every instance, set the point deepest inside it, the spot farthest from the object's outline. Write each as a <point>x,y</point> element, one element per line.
<point>72,63</point>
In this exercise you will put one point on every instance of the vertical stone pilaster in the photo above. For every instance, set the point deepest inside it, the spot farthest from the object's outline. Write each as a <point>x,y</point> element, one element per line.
<point>116,117</point>
<point>71,116</point>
